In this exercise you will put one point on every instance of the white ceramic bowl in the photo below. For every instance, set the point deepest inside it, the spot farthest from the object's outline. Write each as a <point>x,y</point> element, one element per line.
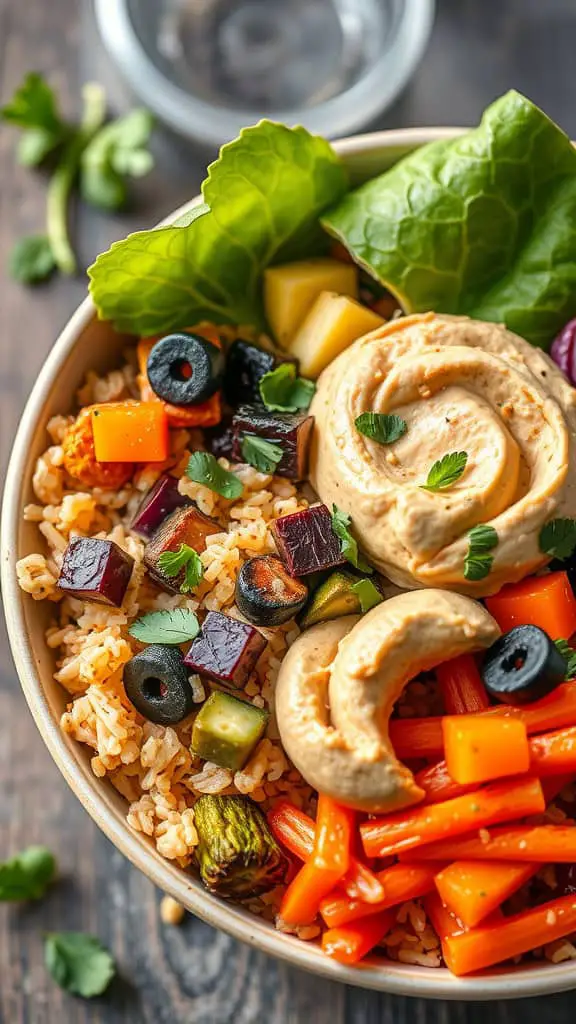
<point>87,344</point>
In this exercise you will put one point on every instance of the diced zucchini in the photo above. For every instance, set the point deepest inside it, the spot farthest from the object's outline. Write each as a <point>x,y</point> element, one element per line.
<point>226,730</point>
<point>332,324</point>
<point>291,290</point>
<point>333,599</point>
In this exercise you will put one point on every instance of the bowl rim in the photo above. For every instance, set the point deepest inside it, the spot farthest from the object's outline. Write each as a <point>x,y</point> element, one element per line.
<point>397,979</point>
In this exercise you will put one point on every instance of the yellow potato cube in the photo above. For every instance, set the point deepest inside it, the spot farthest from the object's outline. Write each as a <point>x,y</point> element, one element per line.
<point>333,323</point>
<point>291,290</point>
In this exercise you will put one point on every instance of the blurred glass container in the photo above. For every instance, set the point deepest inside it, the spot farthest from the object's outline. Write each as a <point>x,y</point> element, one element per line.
<point>209,67</point>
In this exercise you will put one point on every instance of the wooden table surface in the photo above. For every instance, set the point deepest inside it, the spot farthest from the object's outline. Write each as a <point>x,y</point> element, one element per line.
<point>194,975</point>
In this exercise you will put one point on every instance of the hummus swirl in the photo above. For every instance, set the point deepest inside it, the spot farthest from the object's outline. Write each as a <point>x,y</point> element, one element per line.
<point>460,385</point>
<point>339,682</point>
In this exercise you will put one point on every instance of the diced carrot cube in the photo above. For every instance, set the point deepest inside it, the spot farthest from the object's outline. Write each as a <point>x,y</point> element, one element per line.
<point>130,432</point>
<point>544,601</point>
<point>479,748</point>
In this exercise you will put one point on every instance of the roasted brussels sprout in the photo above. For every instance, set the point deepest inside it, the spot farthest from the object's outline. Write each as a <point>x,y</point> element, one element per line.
<point>237,854</point>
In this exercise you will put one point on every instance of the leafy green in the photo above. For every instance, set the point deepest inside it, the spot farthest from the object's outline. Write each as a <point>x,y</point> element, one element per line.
<point>282,390</point>
<point>186,558</point>
<point>569,654</point>
<point>263,455</point>
<point>28,875</point>
<point>204,469</point>
<point>265,194</point>
<point>483,224</point>
<point>115,153</point>
<point>446,471</point>
<point>33,108</point>
<point>31,259</point>
<point>78,963</point>
<point>174,626</point>
<point>348,545</point>
<point>481,540</point>
<point>558,538</point>
<point>104,154</point>
<point>380,427</point>
<point>367,593</point>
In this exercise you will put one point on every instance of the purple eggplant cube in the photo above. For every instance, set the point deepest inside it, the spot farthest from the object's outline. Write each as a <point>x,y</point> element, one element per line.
<point>226,650</point>
<point>162,499</point>
<point>96,570</point>
<point>306,541</point>
<point>290,431</point>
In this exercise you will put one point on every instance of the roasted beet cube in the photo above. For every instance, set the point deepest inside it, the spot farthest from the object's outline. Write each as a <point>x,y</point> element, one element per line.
<point>226,650</point>
<point>291,431</point>
<point>183,526</point>
<point>246,364</point>
<point>97,570</point>
<point>162,499</point>
<point>306,541</point>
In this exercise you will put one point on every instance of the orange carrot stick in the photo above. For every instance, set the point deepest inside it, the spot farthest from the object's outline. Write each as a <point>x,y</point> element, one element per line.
<point>443,921</point>
<point>492,943</point>
<point>461,686</point>
<point>544,601</point>
<point>553,752</point>
<point>542,844</point>
<point>501,801</point>
<point>400,882</point>
<point>481,747</point>
<point>295,830</point>
<point>328,864</point>
<point>422,737</point>
<point>472,889</point>
<point>353,941</point>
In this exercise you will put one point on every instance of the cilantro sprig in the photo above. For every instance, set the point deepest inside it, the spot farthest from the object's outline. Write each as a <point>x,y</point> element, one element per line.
<point>171,563</point>
<point>282,390</point>
<point>79,963</point>
<point>481,540</point>
<point>558,538</point>
<point>569,654</point>
<point>204,468</point>
<point>446,471</point>
<point>27,875</point>
<point>348,544</point>
<point>171,626</point>
<point>263,455</point>
<point>97,155</point>
<point>381,427</point>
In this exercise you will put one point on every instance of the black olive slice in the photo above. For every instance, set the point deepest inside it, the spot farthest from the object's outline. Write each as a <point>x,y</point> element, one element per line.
<point>522,666</point>
<point>185,369</point>
<point>156,683</point>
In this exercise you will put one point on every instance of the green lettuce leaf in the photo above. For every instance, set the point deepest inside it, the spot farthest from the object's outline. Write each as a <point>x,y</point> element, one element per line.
<point>482,224</point>
<point>263,198</point>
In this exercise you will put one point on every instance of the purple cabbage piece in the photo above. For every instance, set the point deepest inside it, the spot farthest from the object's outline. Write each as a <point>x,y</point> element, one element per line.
<point>162,499</point>
<point>97,570</point>
<point>563,350</point>
<point>226,650</point>
<point>306,541</point>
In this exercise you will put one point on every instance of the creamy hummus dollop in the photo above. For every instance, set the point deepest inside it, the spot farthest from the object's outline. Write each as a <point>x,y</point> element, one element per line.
<point>460,385</point>
<point>340,680</point>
